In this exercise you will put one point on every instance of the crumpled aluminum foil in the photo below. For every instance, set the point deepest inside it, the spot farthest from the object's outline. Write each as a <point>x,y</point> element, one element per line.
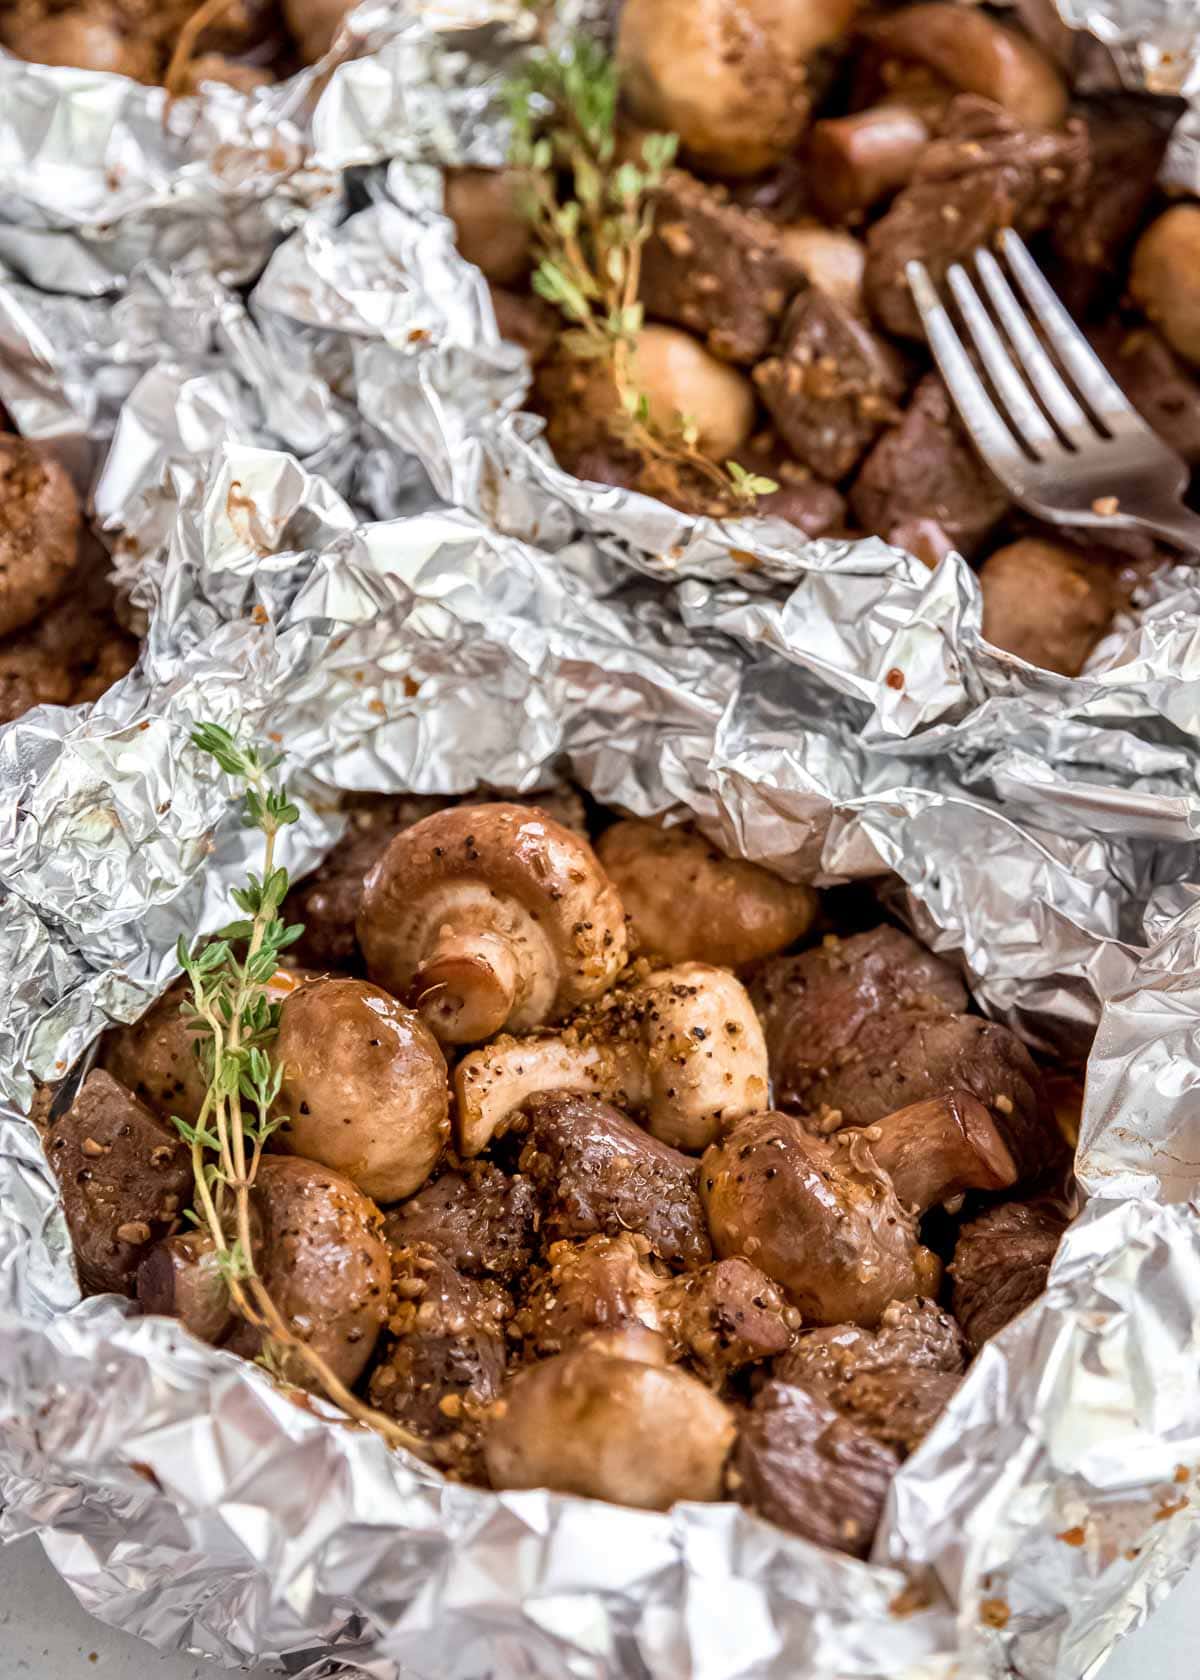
<point>1044,829</point>
<point>181,1497</point>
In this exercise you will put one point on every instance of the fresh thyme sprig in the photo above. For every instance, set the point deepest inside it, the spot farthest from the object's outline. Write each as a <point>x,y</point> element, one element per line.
<point>235,1022</point>
<point>563,112</point>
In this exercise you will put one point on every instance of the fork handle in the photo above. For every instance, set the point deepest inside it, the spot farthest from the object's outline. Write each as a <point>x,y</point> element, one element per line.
<point>1182,528</point>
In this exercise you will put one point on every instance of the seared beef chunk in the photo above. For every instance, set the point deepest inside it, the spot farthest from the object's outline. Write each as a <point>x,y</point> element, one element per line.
<point>481,1220</point>
<point>800,1464</point>
<point>893,1381</point>
<point>598,1173</point>
<point>984,172</point>
<point>1000,1265</point>
<point>1159,384</point>
<point>814,508</point>
<point>445,1360</point>
<point>39,532</point>
<point>125,1178</point>
<point>1093,231</point>
<point>605,1283</point>
<point>715,268</point>
<point>726,1316</point>
<point>72,653</point>
<point>924,469</point>
<point>833,385</point>
<point>905,1057</point>
<point>814,1006</point>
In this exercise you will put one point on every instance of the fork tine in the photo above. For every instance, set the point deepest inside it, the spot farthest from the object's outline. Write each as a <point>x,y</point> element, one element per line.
<point>993,439</point>
<point>1023,412</point>
<point>1045,377</point>
<point>1099,388</point>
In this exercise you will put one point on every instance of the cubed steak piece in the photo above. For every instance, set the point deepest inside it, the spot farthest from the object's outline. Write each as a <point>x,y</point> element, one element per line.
<point>1159,384</point>
<point>925,469</point>
<point>1001,1263</point>
<point>1092,232</point>
<point>832,386</point>
<point>800,1464</point>
<point>483,1221</point>
<point>716,269</point>
<point>125,1177</point>
<point>985,171</point>
<point>1048,601</point>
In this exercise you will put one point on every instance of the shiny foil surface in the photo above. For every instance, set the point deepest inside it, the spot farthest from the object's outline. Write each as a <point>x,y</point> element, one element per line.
<point>828,708</point>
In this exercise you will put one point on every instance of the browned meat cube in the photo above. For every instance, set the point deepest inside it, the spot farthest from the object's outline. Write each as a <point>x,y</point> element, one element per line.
<point>526,320</point>
<point>984,172</point>
<point>726,1316</point>
<point>604,1283</point>
<point>479,1219</point>
<point>833,385</point>
<point>924,468</point>
<point>893,1381</point>
<point>904,1057</point>
<point>1092,233</point>
<point>716,269</point>
<point>812,507</point>
<point>125,1177</point>
<point>1001,1262</point>
<point>446,1359</point>
<point>1159,384</point>
<point>29,677</point>
<point>39,532</point>
<point>814,1006</point>
<point>597,1173</point>
<point>800,1464</point>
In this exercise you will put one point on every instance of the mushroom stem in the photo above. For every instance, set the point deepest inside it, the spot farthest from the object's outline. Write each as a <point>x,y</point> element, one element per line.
<point>931,1150</point>
<point>491,1084</point>
<point>465,988</point>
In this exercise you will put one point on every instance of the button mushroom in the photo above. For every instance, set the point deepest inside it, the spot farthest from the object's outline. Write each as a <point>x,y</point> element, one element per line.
<point>490,917</point>
<point>364,1086</point>
<point>822,1217</point>
<point>324,1263</point>
<point>801,1465</point>
<point>1048,602</point>
<point>975,54</point>
<point>125,1179</point>
<point>728,76</point>
<point>688,902</point>
<point>83,40</point>
<point>1164,279</point>
<point>603,1425</point>
<point>831,260</point>
<point>683,1047</point>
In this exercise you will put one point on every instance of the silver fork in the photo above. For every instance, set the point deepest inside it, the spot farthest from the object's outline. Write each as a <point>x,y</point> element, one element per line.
<point>1094,462</point>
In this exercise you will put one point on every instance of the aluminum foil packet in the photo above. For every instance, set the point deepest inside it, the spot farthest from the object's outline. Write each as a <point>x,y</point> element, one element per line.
<point>1042,829</point>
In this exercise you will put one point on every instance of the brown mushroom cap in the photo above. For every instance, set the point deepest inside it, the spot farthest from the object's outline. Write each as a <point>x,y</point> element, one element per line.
<point>975,54</point>
<point>39,531</point>
<point>688,902</point>
<point>1164,279</point>
<point>491,917</point>
<point>156,1055</point>
<point>1047,602</point>
<point>817,1216</point>
<point>605,1427</point>
<point>492,230</point>
<point>324,1263</point>
<point>727,76</point>
<point>364,1086</point>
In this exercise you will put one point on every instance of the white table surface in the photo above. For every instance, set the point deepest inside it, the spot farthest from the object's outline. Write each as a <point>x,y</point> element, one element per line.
<point>45,1635</point>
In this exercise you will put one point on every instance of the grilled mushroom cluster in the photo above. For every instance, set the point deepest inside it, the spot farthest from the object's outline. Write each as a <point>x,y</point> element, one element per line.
<point>612,1169</point>
<point>823,145</point>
